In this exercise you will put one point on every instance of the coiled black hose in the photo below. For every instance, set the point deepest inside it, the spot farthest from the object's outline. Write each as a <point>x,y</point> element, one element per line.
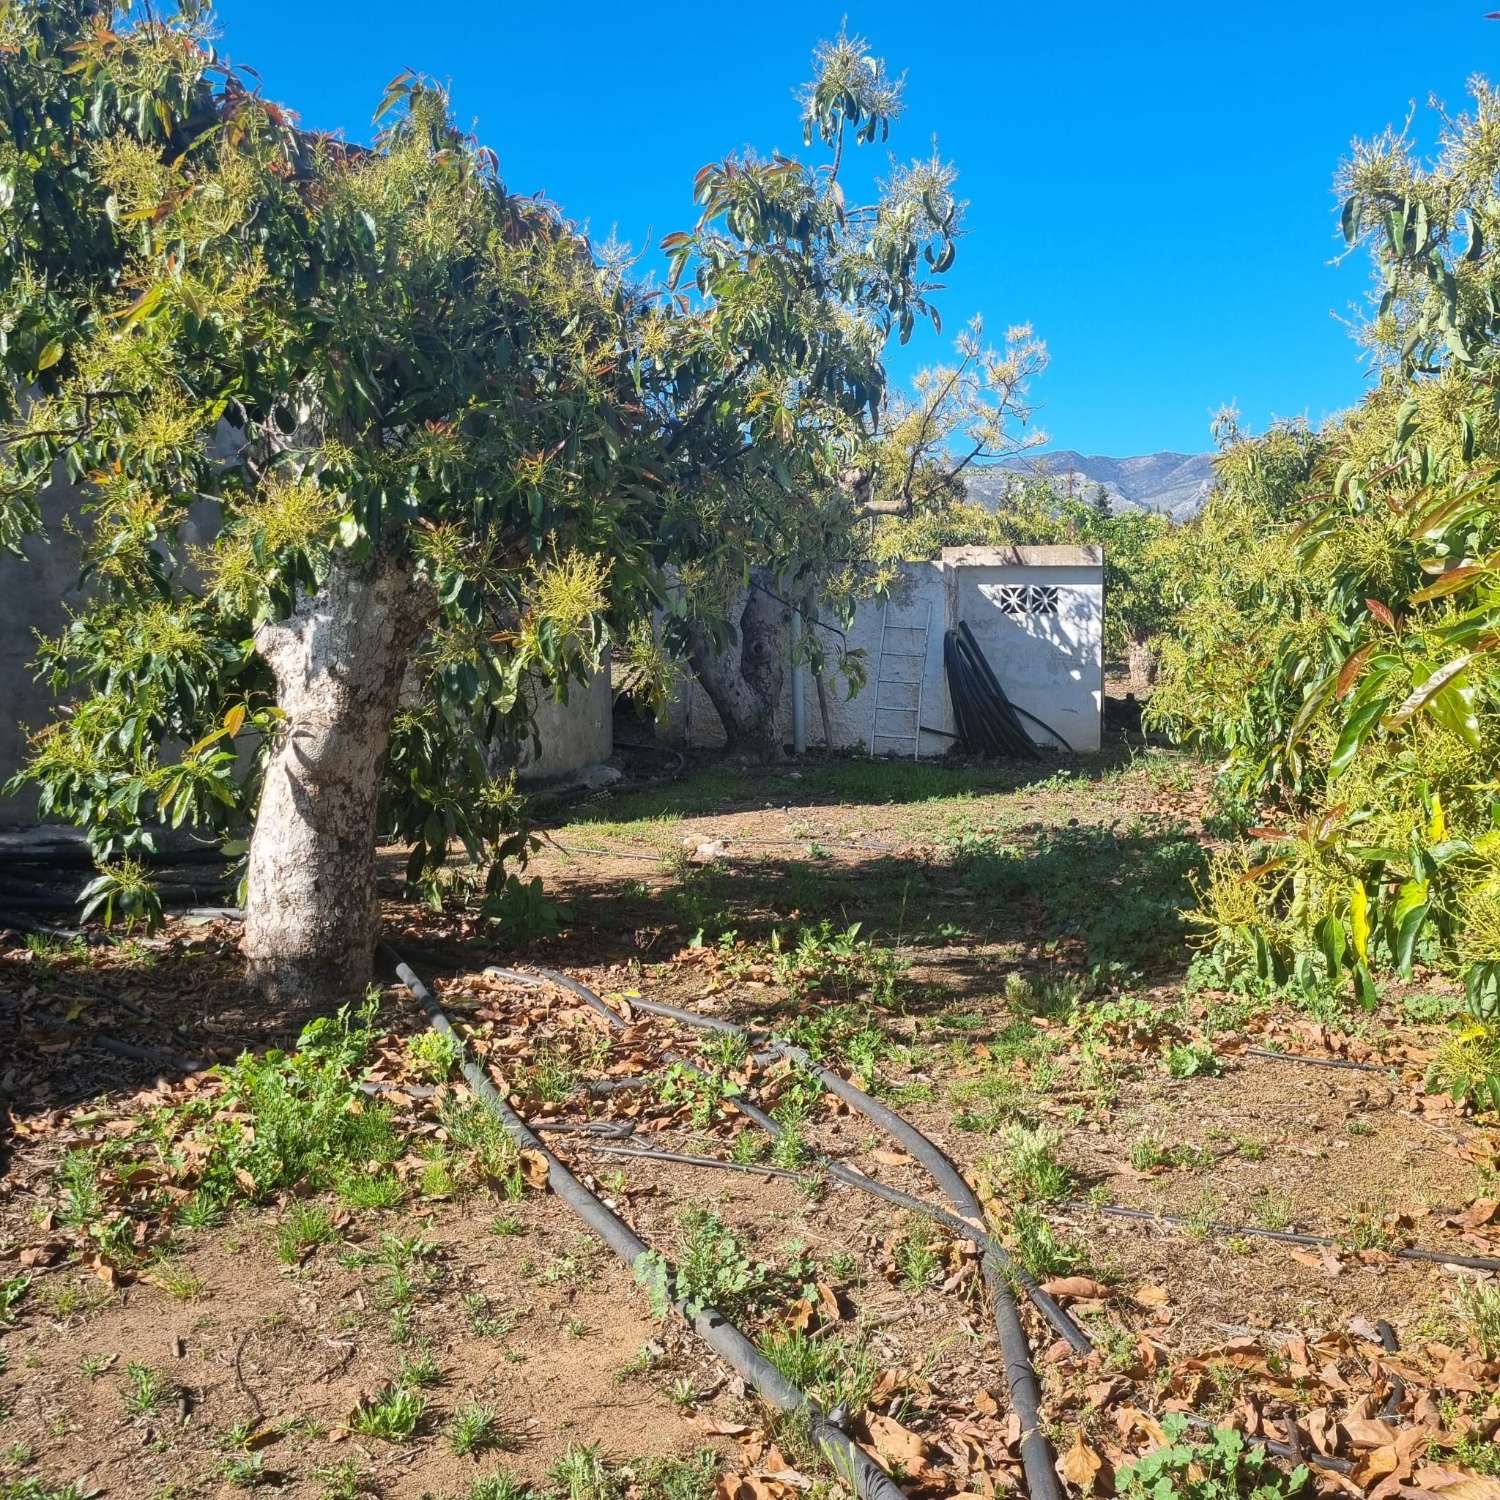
<point>867,1478</point>
<point>988,722</point>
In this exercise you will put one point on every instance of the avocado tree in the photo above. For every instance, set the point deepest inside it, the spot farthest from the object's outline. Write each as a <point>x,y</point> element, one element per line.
<point>771,381</point>
<point>404,395</point>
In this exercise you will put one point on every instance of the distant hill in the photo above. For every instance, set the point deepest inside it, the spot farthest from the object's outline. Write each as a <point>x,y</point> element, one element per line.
<point>1175,484</point>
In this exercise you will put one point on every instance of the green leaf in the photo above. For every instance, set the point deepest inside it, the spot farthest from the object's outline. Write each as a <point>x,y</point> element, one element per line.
<point>49,355</point>
<point>1354,733</point>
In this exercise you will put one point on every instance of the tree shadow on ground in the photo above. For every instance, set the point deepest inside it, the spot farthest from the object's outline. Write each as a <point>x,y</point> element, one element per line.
<point>1090,901</point>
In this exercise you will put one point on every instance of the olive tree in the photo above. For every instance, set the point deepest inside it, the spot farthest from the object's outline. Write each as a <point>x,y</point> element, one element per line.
<point>405,395</point>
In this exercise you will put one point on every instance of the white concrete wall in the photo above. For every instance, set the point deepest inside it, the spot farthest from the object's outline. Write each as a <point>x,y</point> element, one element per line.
<point>1051,664</point>
<point>574,734</point>
<point>37,590</point>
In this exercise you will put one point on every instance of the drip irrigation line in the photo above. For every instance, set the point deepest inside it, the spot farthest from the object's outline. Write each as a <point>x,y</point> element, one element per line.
<point>688,1160</point>
<point>970,1223</point>
<point>1397,1395</point>
<point>868,1479</point>
<point>992,682</point>
<point>1281,1236</point>
<point>161,1057</point>
<point>574,850</point>
<point>1316,1062</point>
<point>615,1130</point>
<point>1295,1452</point>
<point>996,1266</point>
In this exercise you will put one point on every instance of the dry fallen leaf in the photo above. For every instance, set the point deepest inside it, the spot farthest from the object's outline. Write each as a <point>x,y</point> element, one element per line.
<point>1081,1464</point>
<point>1076,1288</point>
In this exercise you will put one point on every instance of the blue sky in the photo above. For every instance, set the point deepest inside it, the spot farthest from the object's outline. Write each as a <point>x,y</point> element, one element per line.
<point>1150,183</point>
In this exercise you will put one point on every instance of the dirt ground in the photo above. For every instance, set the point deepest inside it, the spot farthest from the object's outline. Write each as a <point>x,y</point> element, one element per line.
<point>997,953</point>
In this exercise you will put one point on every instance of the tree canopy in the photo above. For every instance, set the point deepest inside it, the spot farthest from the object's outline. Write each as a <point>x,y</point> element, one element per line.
<point>1341,611</point>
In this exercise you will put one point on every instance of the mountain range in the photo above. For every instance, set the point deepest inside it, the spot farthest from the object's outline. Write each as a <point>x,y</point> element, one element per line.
<point>1175,484</point>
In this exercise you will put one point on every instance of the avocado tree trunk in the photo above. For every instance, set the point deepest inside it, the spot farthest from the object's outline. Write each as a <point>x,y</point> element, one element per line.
<point>311,918</point>
<point>744,680</point>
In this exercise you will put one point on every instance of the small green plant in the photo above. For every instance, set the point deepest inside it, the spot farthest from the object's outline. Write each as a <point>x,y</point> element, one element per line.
<point>582,1474</point>
<point>1220,1466</point>
<point>916,1256</point>
<point>501,1485</point>
<point>392,1414</point>
<point>37,1489</point>
<point>482,1321</point>
<point>1030,1163</point>
<point>303,1228</point>
<point>835,1372</point>
<point>522,912</point>
<point>749,1147</point>
<point>419,1370</point>
<point>1192,1060</point>
<point>1466,1066</point>
<point>434,1054</point>
<point>371,1190</point>
<point>727,1051</point>
<point>177,1280</point>
<point>1271,1208</point>
<point>475,1429</point>
<point>94,1365</point>
<point>13,1292</point>
<point>1477,1304</point>
<point>145,1389</point>
<point>1040,1248</point>
<point>703,1093</point>
<point>245,1471</point>
<point>677,1478</point>
<point>347,1480</point>
<point>712,1270</point>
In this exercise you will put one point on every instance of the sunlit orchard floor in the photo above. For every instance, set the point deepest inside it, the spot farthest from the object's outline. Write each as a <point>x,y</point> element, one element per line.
<point>999,953</point>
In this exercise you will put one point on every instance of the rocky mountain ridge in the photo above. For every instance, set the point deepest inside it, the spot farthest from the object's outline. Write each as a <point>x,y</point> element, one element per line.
<point>1175,484</point>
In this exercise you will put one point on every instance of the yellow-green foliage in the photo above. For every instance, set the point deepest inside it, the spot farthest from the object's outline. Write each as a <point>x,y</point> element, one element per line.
<point>1338,624</point>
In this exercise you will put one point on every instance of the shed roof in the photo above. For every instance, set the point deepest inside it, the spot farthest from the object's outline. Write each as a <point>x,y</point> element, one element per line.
<point>1062,556</point>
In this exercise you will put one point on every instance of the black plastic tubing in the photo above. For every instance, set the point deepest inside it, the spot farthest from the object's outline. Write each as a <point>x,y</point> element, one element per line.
<point>868,1479</point>
<point>1037,1459</point>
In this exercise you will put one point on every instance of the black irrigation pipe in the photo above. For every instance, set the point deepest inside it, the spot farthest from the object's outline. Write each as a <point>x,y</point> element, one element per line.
<point>984,725</point>
<point>1398,1385</point>
<point>1295,1452</point>
<point>995,1266</point>
<point>868,1479</point>
<point>684,1158</point>
<point>1281,1236</point>
<point>993,684</point>
<point>160,1057</point>
<point>987,717</point>
<point>1316,1062</point>
<point>971,1224</point>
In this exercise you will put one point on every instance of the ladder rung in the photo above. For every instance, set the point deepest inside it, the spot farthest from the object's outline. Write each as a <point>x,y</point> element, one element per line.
<point>913,654</point>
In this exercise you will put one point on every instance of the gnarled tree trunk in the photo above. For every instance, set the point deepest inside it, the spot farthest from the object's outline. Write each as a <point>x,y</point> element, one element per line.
<point>311,918</point>
<point>744,681</point>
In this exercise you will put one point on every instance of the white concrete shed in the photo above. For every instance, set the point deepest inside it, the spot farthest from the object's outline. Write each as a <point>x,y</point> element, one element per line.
<point>1037,614</point>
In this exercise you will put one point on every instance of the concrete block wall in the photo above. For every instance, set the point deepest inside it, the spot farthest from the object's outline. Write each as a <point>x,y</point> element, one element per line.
<point>574,734</point>
<point>37,590</point>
